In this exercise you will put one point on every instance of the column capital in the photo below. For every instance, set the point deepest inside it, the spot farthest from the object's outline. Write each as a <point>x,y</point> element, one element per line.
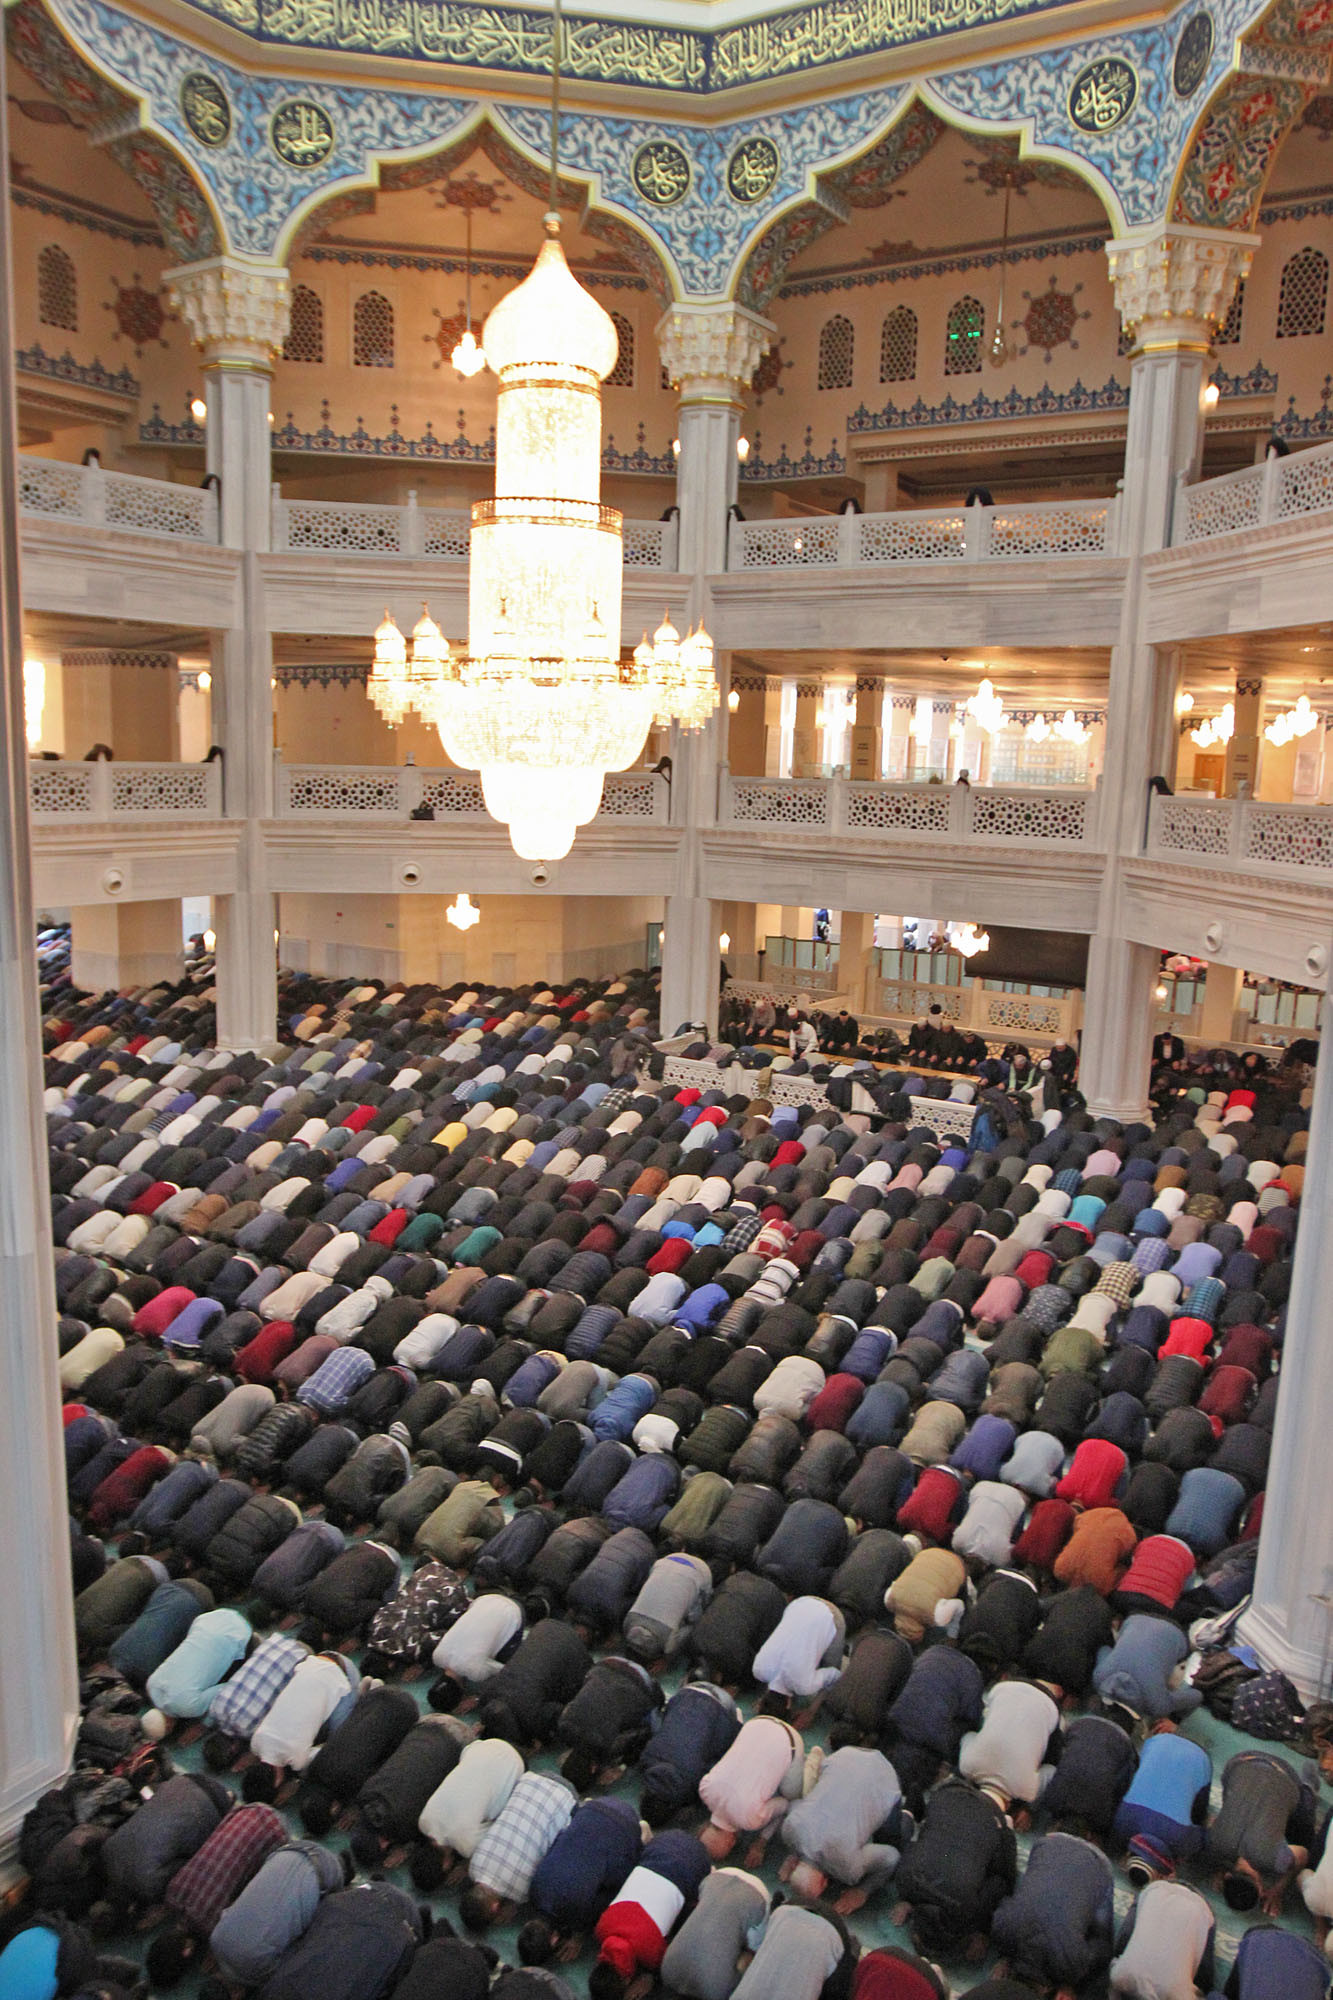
<point>711,351</point>
<point>237,313</point>
<point>1173,283</point>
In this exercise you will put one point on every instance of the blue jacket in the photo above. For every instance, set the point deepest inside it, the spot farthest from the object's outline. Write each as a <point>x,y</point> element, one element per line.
<point>169,1499</point>
<point>580,1873</point>
<point>618,1412</point>
<point>646,1493</point>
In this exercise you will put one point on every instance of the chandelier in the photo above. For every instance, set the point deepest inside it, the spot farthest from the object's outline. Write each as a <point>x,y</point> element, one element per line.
<point>1070,729</point>
<point>967,939</point>
<point>1292,722</point>
<point>541,703</point>
<point>1216,728</point>
<point>987,708</point>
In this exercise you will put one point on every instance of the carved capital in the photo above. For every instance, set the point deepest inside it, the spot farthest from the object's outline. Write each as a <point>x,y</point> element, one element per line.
<point>237,313</point>
<point>712,351</point>
<point>1173,284</point>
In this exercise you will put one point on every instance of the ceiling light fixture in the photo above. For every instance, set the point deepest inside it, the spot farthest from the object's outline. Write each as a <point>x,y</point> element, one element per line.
<point>967,939</point>
<point>1292,723</point>
<point>542,704</point>
<point>467,357</point>
<point>1069,729</point>
<point>462,913</point>
<point>198,409</point>
<point>1038,729</point>
<point>1215,728</point>
<point>998,352</point>
<point>987,708</point>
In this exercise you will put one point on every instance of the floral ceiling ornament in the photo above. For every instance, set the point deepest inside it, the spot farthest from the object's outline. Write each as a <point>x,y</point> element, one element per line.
<point>767,377</point>
<point>1050,318</point>
<point>140,315</point>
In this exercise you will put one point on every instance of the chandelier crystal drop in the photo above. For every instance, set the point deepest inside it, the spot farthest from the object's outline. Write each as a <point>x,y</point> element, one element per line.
<point>541,702</point>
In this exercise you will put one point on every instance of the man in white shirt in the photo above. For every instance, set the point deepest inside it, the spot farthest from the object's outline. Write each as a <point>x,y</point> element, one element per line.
<point>459,1811</point>
<point>801,1656</point>
<point>286,1738</point>
<point>475,1648</point>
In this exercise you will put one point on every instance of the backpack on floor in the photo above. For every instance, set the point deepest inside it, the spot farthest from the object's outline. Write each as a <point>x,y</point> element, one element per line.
<point>1268,1706</point>
<point>1219,1677</point>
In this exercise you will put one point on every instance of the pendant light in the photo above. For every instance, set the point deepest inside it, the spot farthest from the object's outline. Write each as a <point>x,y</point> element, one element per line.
<point>467,356</point>
<point>998,352</point>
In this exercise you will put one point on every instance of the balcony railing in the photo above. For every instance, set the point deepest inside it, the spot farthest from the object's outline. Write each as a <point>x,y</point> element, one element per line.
<point>1297,839</point>
<point>396,791</point>
<point>103,791</point>
<point>1281,489</point>
<point>370,528</point>
<point>84,494</point>
<point>1023,816</point>
<point>1035,531</point>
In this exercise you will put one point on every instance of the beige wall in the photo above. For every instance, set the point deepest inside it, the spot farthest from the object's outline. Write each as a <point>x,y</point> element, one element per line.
<point>134,709</point>
<point>519,938</point>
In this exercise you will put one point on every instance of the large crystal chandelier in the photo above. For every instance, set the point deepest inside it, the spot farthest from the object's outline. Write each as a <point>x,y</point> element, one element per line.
<point>542,705</point>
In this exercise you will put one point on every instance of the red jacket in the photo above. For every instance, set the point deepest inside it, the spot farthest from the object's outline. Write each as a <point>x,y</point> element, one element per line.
<point>1229,1394</point>
<point>1159,1568</point>
<point>154,1318</point>
<point>1187,1336</point>
<point>835,1403</point>
<point>256,1361</point>
<point>1049,1527</point>
<point>1094,1474</point>
<point>122,1490</point>
<point>934,1507</point>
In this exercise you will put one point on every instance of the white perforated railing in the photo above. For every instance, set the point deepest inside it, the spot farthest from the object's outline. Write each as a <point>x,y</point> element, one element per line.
<point>1019,816</point>
<point>375,528</point>
<point>101,791</point>
<point>53,490</point>
<point>396,791</point>
<point>1281,489</point>
<point>1249,832</point>
<point>1031,532</point>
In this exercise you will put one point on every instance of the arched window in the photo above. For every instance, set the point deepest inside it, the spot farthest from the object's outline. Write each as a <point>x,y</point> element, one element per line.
<point>305,335</point>
<point>622,375</point>
<point>1229,332</point>
<point>1303,299</point>
<point>897,346</point>
<point>372,331</point>
<point>837,348</point>
<point>962,337</point>
<point>57,289</point>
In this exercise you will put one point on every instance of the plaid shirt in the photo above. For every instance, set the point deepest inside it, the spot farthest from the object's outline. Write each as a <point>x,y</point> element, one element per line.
<point>337,1380</point>
<point>240,1704</point>
<point>1152,1254</point>
<point>506,1857</point>
<point>1119,1282</point>
<point>236,1849</point>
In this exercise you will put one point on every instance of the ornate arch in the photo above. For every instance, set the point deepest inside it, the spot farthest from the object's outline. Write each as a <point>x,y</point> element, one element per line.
<point>865,180</point>
<point>484,135</point>
<point>1283,65</point>
<point>111,117</point>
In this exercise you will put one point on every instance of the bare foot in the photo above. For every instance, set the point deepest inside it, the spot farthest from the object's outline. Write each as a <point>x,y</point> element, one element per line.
<point>977,1947</point>
<point>787,1869</point>
<point>570,1949</point>
<point>754,1857</point>
<point>805,1716</point>
<point>899,1914</point>
<point>850,1901</point>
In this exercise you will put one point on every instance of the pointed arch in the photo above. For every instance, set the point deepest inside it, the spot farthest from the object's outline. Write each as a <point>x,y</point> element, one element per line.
<point>837,353</point>
<point>866,181</point>
<point>1229,151</point>
<point>482,134</point>
<point>897,345</point>
<point>191,226</point>
<point>964,330</point>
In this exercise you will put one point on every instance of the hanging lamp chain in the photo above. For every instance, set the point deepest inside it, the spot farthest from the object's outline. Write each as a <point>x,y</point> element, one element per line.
<point>557,38</point>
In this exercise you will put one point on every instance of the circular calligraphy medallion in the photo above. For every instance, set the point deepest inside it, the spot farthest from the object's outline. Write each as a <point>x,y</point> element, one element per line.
<point>301,133</point>
<point>752,169</point>
<point>661,173</point>
<point>1102,95</point>
<point>205,108</point>
<point>1194,52</point>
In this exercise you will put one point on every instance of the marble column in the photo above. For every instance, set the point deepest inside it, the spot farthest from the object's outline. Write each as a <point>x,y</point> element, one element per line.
<point>856,942</point>
<point>1172,285</point>
<point>1245,748</point>
<point>39,1687</point>
<point>237,314</point>
<point>746,746</point>
<point>806,748</point>
<point>867,730</point>
<point>710,353</point>
<point>1288,1620</point>
<point>1221,997</point>
<point>691,963</point>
